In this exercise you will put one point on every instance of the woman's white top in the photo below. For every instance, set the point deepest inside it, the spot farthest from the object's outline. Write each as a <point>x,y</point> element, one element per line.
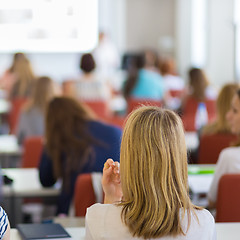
<point>103,221</point>
<point>228,162</point>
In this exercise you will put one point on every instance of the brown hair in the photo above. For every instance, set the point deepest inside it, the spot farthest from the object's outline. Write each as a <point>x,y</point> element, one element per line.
<point>43,92</point>
<point>154,174</point>
<point>66,133</point>
<point>87,63</point>
<point>198,83</point>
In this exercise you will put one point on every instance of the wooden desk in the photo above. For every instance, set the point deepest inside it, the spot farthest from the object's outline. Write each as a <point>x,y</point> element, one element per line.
<point>25,184</point>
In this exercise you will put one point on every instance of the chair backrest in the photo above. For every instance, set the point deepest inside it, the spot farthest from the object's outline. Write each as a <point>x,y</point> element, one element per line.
<point>32,149</point>
<point>84,194</point>
<point>100,108</point>
<point>134,103</point>
<point>211,145</point>
<point>190,109</point>
<point>16,106</point>
<point>228,199</point>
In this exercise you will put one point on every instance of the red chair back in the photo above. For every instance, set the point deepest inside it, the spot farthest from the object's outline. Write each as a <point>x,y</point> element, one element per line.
<point>211,146</point>
<point>16,106</point>
<point>134,103</point>
<point>100,108</point>
<point>32,152</point>
<point>190,109</point>
<point>84,195</point>
<point>228,199</point>
<point>176,93</point>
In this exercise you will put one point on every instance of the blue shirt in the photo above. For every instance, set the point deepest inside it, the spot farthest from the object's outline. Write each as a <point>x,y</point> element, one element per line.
<point>109,135</point>
<point>150,85</point>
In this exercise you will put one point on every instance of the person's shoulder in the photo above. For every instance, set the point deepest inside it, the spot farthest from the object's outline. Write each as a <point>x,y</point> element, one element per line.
<point>101,210</point>
<point>204,216</point>
<point>105,127</point>
<point>230,152</point>
<point>3,222</point>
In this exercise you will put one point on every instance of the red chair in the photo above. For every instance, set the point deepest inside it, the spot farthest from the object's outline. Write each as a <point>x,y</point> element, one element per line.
<point>117,121</point>
<point>211,145</point>
<point>228,199</point>
<point>99,107</point>
<point>134,103</point>
<point>32,152</point>
<point>176,93</point>
<point>16,105</point>
<point>84,195</point>
<point>190,109</point>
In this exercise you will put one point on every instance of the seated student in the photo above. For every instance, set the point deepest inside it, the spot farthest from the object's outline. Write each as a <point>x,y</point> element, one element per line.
<point>229,158</point>
<point>150,200</point>
<point>4,225</point>
<point>223,104</point>
<point>31,121</point>
<point>75,143</point>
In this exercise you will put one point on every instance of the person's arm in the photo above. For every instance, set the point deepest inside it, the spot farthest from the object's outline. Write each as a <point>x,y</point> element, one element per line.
<point>6,236</point>
<point>111,182</point>
<point>46,174</point>
<point>221,169</point>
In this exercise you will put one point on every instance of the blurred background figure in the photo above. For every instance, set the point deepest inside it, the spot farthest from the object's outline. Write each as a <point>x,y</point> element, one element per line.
<point>91,86</point>
<point>75,143</point>
<point>144,81</point>
<point>32,118</point>
<point>223,104</point>
<point>229,158</point>
<point>106,56</point>
<point>174,84</point>
<point>19,79</point>
<point>198,104</point>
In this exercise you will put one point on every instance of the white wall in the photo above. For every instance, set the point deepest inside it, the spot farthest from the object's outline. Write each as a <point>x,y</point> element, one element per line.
<point>134,24</point>
<point>150,23</point>
<point>220,65</point>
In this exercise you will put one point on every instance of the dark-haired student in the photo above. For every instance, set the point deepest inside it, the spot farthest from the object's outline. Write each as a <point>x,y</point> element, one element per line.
<point>75,143</point>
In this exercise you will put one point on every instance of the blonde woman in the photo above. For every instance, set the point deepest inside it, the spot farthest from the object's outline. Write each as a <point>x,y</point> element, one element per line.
<point>223,104</point>
<point>31,121</point>
<point>150,200</point>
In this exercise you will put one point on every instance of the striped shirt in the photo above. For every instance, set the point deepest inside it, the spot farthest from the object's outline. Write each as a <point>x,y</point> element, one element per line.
<point>3,222</point>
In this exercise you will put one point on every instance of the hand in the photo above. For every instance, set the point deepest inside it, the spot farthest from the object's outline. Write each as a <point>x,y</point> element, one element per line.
<point>111,182</point>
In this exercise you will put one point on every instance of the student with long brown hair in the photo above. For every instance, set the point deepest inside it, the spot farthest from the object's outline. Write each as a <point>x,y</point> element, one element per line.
<point>148,198</point>
<point>75,143</point>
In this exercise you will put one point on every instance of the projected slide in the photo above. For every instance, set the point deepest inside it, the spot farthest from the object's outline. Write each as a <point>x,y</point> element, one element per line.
<point>48,25</point>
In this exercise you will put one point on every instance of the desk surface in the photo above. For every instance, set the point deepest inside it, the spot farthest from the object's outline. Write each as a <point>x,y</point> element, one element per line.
<point>225,231</point>
<point>77,233</point>
<point>200,183</point>
<point>192,140</point>
<point>26,184</point>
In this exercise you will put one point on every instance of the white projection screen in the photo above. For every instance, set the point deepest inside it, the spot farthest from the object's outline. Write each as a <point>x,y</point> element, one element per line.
<point>48,25</point>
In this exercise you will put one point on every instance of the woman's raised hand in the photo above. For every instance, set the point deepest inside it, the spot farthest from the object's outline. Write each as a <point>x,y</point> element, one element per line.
<point>111,182</point>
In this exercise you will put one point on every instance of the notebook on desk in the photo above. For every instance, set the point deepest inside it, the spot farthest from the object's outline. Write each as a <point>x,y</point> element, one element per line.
<point>42,231</point>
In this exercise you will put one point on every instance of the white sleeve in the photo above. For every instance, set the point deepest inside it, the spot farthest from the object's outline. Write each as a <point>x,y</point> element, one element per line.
<point>88,235</point>
<point>221,169</point>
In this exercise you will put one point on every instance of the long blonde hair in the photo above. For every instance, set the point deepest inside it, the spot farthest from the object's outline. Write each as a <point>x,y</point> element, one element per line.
<point>154,173</point>
<point>25,77</point>
<point>223,105</point>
